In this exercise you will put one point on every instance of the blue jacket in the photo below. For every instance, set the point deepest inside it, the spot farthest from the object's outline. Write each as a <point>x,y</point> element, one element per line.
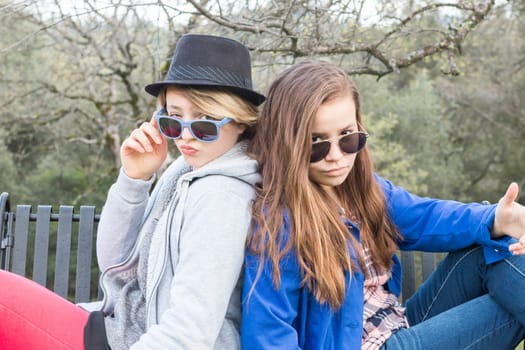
<point>290,317</point>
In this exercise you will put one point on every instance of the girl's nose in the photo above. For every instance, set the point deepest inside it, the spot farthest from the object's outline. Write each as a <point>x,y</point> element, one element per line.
<point>186,134</point>
<point>335,152</point>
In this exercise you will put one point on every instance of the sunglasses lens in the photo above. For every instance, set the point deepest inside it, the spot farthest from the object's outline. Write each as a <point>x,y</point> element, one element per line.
<point>204,130</point>
<point>352,143</point>
<point>170,127</point>
<point>319,151</point>
<point>201,130</point>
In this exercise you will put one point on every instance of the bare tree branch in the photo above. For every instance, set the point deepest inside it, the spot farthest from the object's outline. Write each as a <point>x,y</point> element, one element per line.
<point>296,42</point>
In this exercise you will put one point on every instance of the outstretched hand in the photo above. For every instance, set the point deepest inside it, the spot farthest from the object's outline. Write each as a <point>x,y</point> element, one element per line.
<point>510,219</point>
<point>144,151</point>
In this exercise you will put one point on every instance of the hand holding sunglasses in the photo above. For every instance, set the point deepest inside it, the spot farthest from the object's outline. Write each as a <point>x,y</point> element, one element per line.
<point>143,151</point>
<point>202,130</point>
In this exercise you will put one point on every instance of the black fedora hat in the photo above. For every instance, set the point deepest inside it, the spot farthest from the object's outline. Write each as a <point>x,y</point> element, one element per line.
<point>210,61</point>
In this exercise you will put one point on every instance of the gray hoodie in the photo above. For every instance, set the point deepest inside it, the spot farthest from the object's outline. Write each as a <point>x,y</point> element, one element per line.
<point>199,221</point>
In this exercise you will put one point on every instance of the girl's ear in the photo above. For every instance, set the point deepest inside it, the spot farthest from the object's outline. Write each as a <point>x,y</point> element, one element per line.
<point>241,128</point>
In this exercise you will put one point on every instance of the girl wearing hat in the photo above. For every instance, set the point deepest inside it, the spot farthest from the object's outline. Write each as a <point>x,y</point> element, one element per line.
<point>321,271</point>
<point>171,260</point>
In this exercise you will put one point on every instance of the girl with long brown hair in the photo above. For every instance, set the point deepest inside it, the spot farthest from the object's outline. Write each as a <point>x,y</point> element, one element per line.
<point>321,270</point>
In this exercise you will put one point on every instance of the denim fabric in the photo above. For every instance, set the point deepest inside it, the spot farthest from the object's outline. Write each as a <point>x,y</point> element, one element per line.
<point>467,304</point>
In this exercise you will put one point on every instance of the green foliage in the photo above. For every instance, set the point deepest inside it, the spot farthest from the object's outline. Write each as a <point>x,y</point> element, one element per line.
<point>73,91</point>
<point>8,178</point>
<point>57,181</point>
<point>487,108</point>
<point>390,157</point>
<point>412,142</point>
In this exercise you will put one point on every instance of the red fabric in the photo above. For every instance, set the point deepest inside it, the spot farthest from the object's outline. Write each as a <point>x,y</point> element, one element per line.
<point>33,317</point>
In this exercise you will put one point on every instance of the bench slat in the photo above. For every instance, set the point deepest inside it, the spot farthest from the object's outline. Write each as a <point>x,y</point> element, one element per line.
<point>43,220</point>
<point>84,254</point>
<point>409,273</point>
<point>19,257</point>
<point>63,252</point>
<point>428,264</point>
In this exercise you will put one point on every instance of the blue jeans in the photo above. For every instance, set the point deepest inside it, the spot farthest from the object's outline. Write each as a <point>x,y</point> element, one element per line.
<point>466,304</point>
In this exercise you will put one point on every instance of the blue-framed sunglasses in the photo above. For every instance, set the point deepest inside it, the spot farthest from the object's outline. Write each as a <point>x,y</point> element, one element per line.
<point>202,130</point>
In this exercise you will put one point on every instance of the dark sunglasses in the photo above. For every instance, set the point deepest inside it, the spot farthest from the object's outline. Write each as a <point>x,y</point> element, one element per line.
<point>350,143</point>
<point>202,130</point>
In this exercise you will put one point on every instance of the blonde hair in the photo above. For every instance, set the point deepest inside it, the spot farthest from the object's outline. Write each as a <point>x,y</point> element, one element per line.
<point>317,233</point>
<point>219,103</point>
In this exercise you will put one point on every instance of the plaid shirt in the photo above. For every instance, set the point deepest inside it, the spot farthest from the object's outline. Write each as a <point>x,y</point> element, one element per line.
<point>382,312</point>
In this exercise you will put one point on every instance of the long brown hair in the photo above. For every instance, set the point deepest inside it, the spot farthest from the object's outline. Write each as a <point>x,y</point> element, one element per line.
<point>282,146</point>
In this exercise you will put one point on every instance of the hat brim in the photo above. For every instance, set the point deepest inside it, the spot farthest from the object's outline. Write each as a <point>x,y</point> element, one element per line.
<point>246,94</point>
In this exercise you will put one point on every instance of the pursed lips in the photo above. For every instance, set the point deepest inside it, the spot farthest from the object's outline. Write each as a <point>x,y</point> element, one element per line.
<point>188,150</point>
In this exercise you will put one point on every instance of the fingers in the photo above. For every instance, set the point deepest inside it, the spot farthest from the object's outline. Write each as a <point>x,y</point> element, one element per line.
<point>511,194</point>
<point>144,138</point>
<point>518,248</point>
<point>153,121</point>
<point>143,151</point>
